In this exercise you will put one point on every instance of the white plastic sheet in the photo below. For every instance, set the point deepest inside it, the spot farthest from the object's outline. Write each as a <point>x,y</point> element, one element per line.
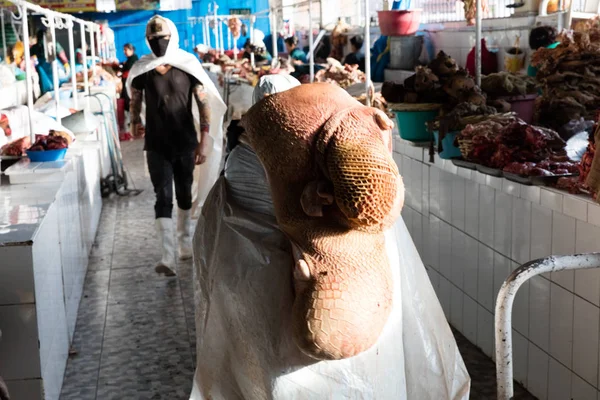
<point>206,174</point>
<point>243,277</point>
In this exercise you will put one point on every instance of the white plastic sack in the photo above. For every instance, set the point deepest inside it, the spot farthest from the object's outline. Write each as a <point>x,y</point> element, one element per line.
<point>206,174</point>
<point>243,277</point>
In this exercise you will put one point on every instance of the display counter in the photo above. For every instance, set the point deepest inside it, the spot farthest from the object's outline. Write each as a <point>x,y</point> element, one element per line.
<point>46,234</point>
<point>472,230</point>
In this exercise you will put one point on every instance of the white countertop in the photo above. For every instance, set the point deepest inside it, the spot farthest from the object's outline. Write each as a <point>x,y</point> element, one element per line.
<point>22,210</point>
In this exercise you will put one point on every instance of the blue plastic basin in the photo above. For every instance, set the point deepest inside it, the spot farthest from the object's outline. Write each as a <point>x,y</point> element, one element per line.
<point>449,149</point>
<point>47,155</point>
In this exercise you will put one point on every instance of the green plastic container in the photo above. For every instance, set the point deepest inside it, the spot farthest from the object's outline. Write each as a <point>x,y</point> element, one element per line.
<point>412,125</point>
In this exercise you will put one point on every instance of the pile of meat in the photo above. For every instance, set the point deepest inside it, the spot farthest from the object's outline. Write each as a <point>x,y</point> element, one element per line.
<point>16,148</point>
<point>569,78</point>
<point>441,82</point>
<point>55,140</point>
<point>340,75</point>
<point>503,84</point>
<point>510,144</point>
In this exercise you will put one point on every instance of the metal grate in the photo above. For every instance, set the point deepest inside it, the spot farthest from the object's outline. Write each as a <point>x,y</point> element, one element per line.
<point>435,11</point>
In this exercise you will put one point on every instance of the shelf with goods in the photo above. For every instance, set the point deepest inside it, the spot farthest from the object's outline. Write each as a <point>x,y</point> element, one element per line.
<point>50,213</point>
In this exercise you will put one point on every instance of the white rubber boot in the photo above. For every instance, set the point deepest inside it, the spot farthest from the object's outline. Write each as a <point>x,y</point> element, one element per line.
<point>184,234</point>
<point>164,227</point>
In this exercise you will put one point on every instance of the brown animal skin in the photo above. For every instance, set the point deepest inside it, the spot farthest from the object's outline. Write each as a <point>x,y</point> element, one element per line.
<point>335,189</point>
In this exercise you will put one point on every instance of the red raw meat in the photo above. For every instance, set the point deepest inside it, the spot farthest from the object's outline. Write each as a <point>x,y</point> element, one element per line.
<point>16,148</point>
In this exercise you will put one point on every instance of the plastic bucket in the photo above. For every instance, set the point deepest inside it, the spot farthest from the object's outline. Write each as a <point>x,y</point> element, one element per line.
<point>523,106</point>
<point>399,22</point>
<point>405,52</point>
<point>412,124</point>
<point>449,149</point>
<point>47,155</point>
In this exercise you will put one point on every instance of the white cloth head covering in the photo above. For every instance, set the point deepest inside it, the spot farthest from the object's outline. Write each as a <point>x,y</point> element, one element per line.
<point>271,84</point>
<point>205,175</point>
<point>202,48</point>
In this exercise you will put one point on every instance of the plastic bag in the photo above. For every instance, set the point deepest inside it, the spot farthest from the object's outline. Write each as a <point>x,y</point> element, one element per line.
<point>243,296</point>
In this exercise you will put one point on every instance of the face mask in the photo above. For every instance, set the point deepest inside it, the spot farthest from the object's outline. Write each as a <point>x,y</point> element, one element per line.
<point>159,46</point>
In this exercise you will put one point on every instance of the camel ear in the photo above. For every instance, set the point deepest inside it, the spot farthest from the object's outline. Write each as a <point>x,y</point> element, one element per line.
<point>315,196</point>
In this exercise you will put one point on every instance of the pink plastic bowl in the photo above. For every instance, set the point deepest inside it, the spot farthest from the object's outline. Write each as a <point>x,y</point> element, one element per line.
<point>399,22</point>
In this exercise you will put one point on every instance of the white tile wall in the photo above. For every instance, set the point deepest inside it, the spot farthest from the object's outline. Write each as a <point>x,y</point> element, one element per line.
<point>559,387</point>
<point>487,197</point>
<point>473,231</point>
<point>521,230</point>
<point>458,203</point>
<point>485,295</point>
<point>585,340</point>
<point>541,232</point>
<point>502,223</point>
<point>472,208</point>
<point>458,258</point>
<point>561,325</point>
<point>539,316</point>
<point>581,390</point>
<point>563,243</point>
<point>537,374</point>
<point>587,282</point>
<point>520,357</point>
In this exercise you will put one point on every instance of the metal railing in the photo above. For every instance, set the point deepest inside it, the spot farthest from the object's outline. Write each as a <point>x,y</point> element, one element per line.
<point>436,11</point>
<point>504,304</point>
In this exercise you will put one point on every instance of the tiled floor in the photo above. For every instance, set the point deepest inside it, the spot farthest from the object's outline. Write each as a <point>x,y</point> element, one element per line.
<point>135,334</point>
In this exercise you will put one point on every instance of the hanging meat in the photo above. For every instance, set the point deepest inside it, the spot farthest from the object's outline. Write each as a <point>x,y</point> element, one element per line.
<point>235,26</point>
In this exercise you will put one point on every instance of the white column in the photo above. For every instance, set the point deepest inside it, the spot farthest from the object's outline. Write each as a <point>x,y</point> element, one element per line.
<point>252,61</point>
<point>274,35</point>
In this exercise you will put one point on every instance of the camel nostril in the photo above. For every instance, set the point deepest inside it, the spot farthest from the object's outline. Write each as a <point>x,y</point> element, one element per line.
<point>301,272</point>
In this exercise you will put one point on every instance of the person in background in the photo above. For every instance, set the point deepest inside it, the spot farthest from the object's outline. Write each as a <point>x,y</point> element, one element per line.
<point>541,37</point>
<point>356,57</point>
<point>295,53</point>
<point>259,49</point>
<point>129,51</point>
<point>44,66</point>
<point>201,50</point>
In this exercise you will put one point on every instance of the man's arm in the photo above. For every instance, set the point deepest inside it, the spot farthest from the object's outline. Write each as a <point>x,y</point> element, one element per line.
<point>135,107</point>
<point>201,96</point>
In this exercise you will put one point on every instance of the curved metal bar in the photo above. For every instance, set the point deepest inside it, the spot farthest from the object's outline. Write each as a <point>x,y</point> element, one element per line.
<point>504,304</point>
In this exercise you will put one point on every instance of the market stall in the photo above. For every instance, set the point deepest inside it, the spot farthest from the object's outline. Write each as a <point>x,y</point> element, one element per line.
<point>495,170</point>
<point>49,217</point>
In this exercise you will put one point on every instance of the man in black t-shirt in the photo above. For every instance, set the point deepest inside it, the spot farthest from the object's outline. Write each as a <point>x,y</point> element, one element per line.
<point>171,141</point>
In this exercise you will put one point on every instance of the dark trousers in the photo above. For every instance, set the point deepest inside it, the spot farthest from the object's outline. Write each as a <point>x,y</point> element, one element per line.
<point>163,171</point>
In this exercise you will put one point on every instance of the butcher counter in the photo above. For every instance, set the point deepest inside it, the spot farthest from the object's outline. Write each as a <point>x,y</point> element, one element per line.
<point>472,230</point>
<point>46,234</point>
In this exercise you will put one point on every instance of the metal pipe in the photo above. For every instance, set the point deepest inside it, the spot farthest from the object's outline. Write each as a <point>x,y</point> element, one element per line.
<point>55,80</point>
<point>3,34</point>
<point>93,49</point>
<point>367,54</point>
<point>216,28</point>
<point>204,40</point>
<point>228,37</point>
<point>311,41</point>
<point>28,72</point>
<point>73,62</point>
<point>221,37</point>
<point>316,42</point>
<point>478,17</point>
<point>252,61</point>
<point>274,35</point>
<point>504,304</point>
<point>86,83</point>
